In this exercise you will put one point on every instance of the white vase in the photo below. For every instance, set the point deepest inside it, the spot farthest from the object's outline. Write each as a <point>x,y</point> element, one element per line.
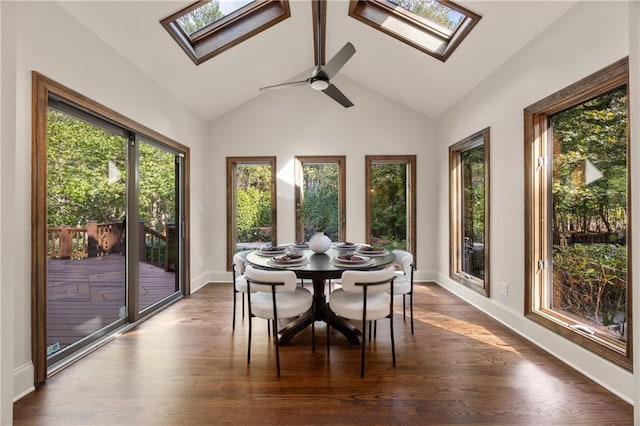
<point>319,242</point>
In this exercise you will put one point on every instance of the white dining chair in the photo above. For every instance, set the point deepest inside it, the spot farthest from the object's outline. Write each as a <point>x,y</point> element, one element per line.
<point>274,295</point>
<point>403,284</point>
<point>239,282</point>
<point>365,296</point>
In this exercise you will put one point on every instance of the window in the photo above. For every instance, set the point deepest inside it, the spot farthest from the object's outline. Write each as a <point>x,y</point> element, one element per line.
<point>577,213</point>
<point>469,211</point>
<point>208,28</point>
<point>207,14</point>
<point>251,203</point>
<point>391,201</point>
<point>433,27</point>
<point>320,197</point>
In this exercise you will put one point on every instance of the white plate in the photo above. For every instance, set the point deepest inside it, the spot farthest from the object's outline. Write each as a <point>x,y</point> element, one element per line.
<point>353,265</point>
<point>345,246</point>
<point>300,262</point>
<point>360,260</point>
<point>371,252</point>
<point>275,251</point>
<point>288,259</point>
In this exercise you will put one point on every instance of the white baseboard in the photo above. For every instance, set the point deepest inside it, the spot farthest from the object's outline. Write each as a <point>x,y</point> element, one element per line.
<point>199,281</point>
<point>23,381</point>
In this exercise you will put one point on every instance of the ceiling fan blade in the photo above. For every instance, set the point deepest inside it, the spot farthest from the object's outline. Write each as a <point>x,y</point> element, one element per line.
<point>283,85</point>
<point>339,59</point>
<point>333,92</point>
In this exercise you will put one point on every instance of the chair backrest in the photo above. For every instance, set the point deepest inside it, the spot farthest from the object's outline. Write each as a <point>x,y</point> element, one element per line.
<point>405,259</point>
<point>240,261</point>
<point>351,279</point>
<point>259,279</point>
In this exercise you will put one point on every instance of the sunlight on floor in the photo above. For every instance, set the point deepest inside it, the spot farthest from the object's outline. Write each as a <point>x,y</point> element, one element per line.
<point>463,328</point>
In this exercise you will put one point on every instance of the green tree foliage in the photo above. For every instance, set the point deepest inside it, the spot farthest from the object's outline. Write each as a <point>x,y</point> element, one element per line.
<point>253,202</point>
<point>432,10</point>
<point>389,204</point>
<point>201,17</point>
<point>86,172</point>
<point>320,207</point>
<point>593,280</point>
<point>473,202</point>
<point>590,281</point>
<point>595,131</point>
<point>474,187</point>
<point>157,200</point>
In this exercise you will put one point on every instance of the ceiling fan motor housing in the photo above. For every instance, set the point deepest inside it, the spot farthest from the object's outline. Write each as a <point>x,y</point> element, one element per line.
<point>319,82</point>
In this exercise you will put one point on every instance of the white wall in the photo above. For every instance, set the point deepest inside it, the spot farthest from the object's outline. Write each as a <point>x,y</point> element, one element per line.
<point>578,44</point>
<point>299,121</point>
<point>41,36</point>
<point>634,83</point>
<point>6,336</point>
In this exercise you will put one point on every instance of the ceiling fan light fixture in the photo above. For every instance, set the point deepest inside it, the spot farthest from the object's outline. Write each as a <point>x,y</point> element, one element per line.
<point>319,84</point>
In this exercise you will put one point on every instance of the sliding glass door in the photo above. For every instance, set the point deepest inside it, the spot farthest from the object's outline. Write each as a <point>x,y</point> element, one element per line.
<point>110,249</point>
<point>158,223</point>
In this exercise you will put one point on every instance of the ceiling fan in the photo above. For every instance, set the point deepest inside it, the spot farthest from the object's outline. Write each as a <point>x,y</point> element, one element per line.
<point>322,74</point>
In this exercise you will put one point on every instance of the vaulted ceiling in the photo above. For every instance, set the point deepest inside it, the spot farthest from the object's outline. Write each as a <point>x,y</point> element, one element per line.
<point>285,51</point>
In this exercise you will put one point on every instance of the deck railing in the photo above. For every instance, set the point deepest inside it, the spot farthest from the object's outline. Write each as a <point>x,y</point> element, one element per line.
<point>103,239</point>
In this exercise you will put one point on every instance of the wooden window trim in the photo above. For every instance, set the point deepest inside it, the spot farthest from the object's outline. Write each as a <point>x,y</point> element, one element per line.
<point>537,203</point>
<point>341,161</point>
<point>410,161</point>
<point>481,286</point>
<point>402,26</point>
<point>232,163</point>
<point>228,31</point>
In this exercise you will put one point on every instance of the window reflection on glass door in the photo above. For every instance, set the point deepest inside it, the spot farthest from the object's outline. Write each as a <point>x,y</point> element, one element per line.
<point>157,230</point>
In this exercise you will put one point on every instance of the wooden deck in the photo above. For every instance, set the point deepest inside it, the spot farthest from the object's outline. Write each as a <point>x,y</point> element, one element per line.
<point>86,295</point>
<point>185,366</point>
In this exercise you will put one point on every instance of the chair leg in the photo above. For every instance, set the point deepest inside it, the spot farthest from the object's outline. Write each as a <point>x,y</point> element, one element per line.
<point>233,323</point>
<point>275,334</point>
<point>393,344</point>
<point>328,315</point>
<point>249,344</point>
<point>364,333</point>
<point>404,308</point>
<point>411,309</point>
<point>313,329</point>
<point>242,305</point>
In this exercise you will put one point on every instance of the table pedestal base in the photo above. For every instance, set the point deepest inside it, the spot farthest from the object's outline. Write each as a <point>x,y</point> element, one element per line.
<point>319,313</point>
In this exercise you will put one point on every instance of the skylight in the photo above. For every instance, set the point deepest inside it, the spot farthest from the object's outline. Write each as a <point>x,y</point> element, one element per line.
<point>207,14</point>
<point>209,27</point>
<point>432,26</point>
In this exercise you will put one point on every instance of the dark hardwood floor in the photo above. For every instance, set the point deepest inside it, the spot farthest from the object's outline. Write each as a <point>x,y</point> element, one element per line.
<point>185,366</point>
